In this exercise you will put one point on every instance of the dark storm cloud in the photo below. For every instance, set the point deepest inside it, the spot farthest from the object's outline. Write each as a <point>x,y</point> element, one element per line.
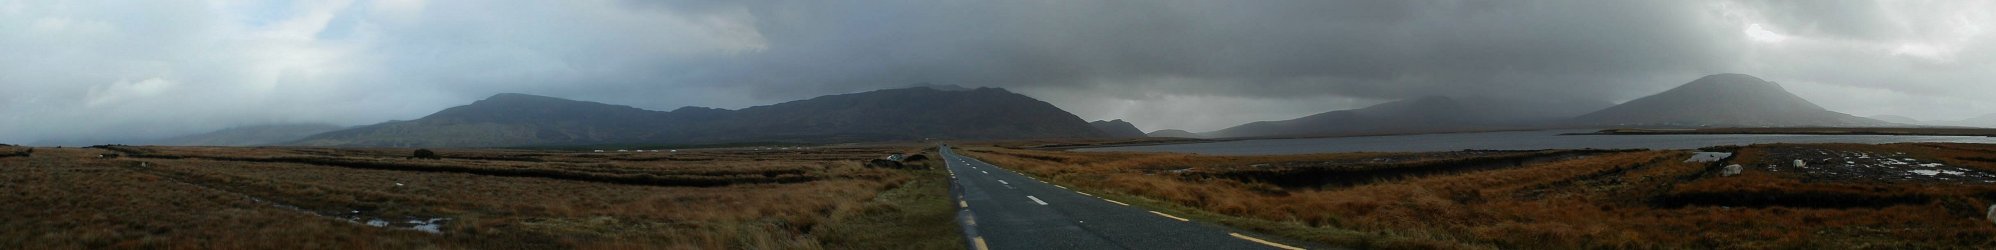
<point>126,70</point>
<point>1385,49</point>
<point>1302,50</point>
<point>1113,59</point>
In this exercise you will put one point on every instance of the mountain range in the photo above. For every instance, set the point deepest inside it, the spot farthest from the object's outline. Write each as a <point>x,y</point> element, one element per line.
<point>256,135</point>
<point>508,120</point>
<point>1426,114</point>
<point>1723,100</point>
<point>950,112</point>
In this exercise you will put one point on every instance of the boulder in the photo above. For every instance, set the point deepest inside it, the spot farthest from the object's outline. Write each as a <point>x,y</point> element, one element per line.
<point>883,163</point>
<point>1992,213</point>
<point>1731,170</point>
<point>1798,163</point>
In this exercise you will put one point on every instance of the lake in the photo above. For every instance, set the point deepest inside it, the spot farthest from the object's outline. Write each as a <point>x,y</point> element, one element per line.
<point>1513,140</point>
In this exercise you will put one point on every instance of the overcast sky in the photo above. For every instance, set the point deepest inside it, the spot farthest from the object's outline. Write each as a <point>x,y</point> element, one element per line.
<point>84,70</point>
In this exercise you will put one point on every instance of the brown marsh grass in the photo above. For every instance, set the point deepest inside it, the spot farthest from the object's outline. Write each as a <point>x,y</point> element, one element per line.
<point>1620,200</point>
<point>232,198</point>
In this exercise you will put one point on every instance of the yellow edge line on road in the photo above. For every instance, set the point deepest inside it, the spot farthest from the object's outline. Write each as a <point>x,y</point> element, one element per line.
<point>1169,216</point>
<point>980,243</point>
<point>1264,242</point>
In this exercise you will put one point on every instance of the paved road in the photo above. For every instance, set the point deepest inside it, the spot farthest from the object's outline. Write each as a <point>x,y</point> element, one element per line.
<point>1006,210</point>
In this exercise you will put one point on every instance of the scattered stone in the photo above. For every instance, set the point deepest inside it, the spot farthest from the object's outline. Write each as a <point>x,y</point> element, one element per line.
<point>1708,156</point>
<point>883,163</point>
<point>1732,170</point>
<point>1992,213</point>
<point>1798,163</point>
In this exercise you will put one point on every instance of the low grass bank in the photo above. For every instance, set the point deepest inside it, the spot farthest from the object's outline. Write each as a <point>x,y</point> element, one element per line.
<point>916,215</point>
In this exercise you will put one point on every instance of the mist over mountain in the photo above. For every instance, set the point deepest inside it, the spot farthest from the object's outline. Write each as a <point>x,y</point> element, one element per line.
<point>894,114</point>
<point>1174,133</point>
<point>255,135</point>
<point>1428,114</point>
<point>1986,121</point>
<point>1896,119</point>
<point>1724,100</point>
<point>1118,128</point>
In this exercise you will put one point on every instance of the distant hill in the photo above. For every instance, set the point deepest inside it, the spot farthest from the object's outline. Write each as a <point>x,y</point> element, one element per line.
<point>1117,128</point>
<point>249,135</point>
<point>1427,114</point>
<point>1896,119</point>
<point>883,115</point>
<point>1985,121</point>
<point>507,119</point>
<point>1174,133</point>
<point>1724,100</point>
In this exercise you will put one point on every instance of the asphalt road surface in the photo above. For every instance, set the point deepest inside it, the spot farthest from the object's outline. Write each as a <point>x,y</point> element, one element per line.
<point>1001,209</point>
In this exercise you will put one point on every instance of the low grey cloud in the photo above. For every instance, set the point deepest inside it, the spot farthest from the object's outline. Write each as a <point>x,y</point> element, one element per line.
<point>119,70</point>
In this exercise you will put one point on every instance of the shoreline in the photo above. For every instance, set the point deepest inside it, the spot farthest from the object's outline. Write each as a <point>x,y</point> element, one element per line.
<point>1949,131</point>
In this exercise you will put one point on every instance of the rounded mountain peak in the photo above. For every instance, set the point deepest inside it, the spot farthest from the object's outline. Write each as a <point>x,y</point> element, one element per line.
<point>1732,82</point>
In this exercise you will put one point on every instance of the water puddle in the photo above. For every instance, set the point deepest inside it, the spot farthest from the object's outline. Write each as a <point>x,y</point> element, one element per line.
<point>1827,164</point>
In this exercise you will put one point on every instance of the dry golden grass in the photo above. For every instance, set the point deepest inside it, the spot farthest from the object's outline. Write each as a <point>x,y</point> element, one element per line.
<point>1623,200</point>
<point>203,197</point>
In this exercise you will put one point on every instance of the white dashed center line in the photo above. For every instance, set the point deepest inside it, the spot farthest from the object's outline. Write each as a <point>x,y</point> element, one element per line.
<point>1264,242</point>
<point>1003,182</point>
<point>1036,200</point>
<point>1117,202</point>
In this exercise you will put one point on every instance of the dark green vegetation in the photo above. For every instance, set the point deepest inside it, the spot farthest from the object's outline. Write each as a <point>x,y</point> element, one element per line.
<point>910,114</point>
<point>1844,196</point>
<point>291,198</point>
<point>426,154</point>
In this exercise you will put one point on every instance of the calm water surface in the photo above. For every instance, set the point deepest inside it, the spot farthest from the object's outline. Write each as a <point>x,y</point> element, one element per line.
<point>1514,140</point>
